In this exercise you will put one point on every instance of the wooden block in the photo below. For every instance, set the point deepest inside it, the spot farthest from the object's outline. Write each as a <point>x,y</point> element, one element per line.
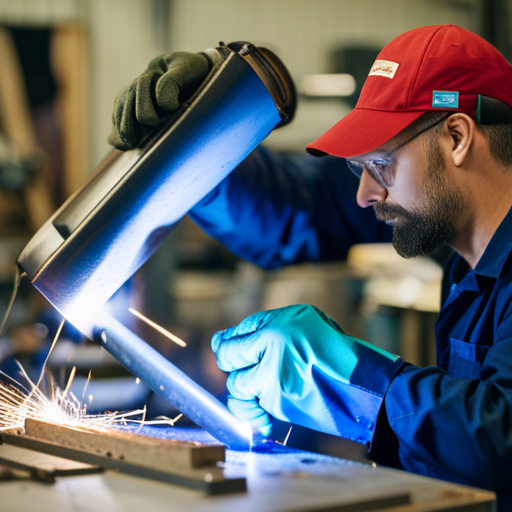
<point>185,463</point>
<point>158,454</point>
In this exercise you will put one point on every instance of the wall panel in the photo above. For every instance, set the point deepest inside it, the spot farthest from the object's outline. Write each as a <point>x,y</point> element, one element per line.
<point>303,31</point>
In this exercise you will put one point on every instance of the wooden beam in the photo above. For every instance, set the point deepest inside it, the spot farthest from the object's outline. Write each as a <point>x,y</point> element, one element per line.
<point>70,61</point>
<point>132,448</point>
<point>185,463</point>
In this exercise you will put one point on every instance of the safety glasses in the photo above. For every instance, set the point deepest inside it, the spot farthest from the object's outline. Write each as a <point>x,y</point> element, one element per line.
<point>382,169</point>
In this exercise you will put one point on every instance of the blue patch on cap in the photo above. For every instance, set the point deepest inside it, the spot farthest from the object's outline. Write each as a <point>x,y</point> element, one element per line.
<point>445,99</point>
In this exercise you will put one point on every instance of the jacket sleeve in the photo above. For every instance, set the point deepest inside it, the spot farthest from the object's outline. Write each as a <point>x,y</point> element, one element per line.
<point>452,428</point>
<point>277,209</point>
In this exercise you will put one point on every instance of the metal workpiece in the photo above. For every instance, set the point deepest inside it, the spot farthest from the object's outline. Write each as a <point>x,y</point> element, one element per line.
<point>169,382</point>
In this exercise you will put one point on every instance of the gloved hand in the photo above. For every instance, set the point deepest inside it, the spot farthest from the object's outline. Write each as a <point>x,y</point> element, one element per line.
<point>153,96</point>
<point>296,364</point>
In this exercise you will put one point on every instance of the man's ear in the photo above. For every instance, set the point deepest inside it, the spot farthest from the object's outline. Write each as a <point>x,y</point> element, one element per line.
<point>461,129</point>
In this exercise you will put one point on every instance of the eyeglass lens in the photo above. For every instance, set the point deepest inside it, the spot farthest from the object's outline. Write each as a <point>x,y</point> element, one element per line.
<point>380,170</point>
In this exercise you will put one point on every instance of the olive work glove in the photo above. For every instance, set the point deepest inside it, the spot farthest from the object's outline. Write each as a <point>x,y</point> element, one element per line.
<point>297,364</point>
<point>153,96</point>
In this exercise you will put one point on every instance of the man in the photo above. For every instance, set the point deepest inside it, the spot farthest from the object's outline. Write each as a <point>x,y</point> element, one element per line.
<point>429,141</point>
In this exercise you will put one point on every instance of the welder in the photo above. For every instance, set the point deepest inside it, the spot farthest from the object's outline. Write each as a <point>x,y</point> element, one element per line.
<point>429,147</point>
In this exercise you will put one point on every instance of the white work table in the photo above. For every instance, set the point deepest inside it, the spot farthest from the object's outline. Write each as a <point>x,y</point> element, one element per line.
<point>285,481</point>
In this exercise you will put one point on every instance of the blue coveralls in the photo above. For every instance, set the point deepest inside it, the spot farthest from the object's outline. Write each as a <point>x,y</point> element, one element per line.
<point>451,421</point>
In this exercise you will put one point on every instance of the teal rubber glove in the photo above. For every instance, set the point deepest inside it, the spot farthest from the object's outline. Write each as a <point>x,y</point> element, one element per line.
<point>152,97</point>
<point>297,364</point>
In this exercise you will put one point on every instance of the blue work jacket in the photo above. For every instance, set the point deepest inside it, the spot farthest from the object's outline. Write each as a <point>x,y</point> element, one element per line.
<point>451,421</point>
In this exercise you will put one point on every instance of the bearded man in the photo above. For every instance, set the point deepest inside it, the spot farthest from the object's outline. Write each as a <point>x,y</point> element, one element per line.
<point>429,143</point>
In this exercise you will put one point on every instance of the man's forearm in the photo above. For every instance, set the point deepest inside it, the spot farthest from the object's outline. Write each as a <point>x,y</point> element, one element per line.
<point>278,209</point>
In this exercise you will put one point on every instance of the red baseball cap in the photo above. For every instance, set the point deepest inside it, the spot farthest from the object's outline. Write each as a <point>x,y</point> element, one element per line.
<point>428,69</point>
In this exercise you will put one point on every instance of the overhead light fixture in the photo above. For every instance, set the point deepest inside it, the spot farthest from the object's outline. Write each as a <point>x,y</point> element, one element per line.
<point>329,84</point>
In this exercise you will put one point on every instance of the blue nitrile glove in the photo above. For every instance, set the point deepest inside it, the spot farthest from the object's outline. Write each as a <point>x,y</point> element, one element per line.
<point>297,364</point>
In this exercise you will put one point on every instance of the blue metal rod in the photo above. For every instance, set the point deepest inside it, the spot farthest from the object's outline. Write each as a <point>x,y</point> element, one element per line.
<point>169,382</point>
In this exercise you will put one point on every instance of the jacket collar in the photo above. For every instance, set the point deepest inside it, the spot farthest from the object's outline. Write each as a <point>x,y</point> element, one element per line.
<point>497,251</point>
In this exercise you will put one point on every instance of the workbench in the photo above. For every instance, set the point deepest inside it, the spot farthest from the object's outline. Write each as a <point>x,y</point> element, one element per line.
<point>278,479</point>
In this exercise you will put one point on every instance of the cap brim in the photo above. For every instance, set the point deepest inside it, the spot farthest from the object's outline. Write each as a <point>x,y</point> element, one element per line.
<point>360,132</point>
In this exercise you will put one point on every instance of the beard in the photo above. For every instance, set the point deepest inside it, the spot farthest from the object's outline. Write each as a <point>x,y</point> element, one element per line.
<point>434,221</point>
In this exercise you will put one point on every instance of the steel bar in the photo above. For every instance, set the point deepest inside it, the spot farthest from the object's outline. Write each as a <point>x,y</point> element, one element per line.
<point>169,382</point>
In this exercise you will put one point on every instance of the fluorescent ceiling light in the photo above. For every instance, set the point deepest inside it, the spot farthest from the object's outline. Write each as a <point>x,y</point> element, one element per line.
<point>333,84</point>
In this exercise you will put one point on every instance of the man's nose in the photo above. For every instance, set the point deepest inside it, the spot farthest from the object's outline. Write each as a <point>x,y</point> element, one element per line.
<point>370,191</point>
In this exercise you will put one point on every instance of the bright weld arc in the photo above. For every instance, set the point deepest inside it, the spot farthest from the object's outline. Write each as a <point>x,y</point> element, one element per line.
<point>59,330</point>
<point>287,436</point>
<point>159,328</point>
<point>70,380</point>
<point>86,386</point>
<point>17,279</point>
<point>17,403</point>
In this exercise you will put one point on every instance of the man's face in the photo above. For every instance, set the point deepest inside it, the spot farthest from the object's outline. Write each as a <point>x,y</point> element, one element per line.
<point>425,206</point>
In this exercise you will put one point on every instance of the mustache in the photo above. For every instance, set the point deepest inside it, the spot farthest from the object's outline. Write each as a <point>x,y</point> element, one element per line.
<point>385,211</point>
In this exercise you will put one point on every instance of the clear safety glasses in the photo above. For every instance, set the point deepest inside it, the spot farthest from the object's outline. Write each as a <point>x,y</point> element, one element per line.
<point>382,169</point>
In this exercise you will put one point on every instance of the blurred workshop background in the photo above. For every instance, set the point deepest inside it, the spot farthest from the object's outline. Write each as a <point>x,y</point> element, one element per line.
<point>62,63</point>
